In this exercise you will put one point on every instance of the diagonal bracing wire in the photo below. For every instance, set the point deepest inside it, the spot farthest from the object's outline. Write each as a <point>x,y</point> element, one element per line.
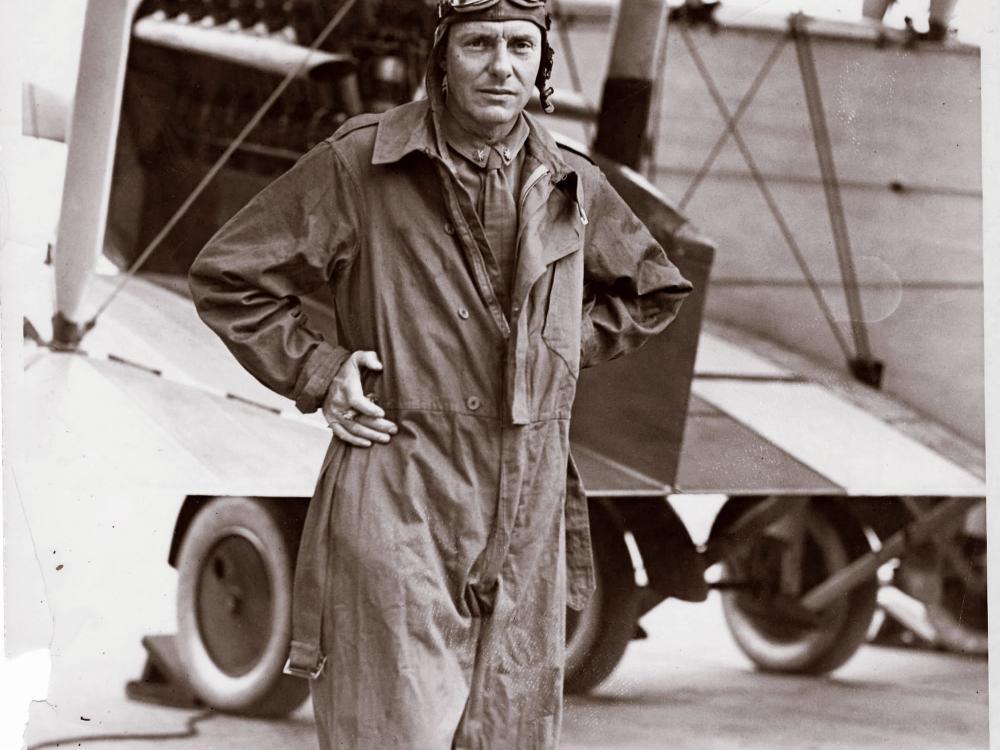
<point>221,161</point>
<point>765,191</point>
<point>745,102</point>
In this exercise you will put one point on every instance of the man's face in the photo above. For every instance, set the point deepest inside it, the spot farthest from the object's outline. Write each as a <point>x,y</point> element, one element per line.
<point>491,68</point>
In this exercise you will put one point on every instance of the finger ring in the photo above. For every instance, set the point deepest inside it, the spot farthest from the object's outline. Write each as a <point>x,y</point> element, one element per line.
<point>349,414</point>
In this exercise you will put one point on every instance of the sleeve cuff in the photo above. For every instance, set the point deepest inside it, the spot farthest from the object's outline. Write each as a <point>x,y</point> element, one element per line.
<point>316,376</point>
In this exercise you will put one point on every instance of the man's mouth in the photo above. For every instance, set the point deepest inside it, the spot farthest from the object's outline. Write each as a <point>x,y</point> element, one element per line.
<point>498,92</point>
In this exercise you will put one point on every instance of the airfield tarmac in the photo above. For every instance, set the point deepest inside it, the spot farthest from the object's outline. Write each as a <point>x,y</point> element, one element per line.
<point>685,687</point>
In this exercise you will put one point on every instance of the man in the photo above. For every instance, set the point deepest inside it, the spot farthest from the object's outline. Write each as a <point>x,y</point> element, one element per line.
<point>475,268</point>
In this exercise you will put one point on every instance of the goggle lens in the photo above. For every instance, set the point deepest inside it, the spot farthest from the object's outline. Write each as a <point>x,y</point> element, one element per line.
<point>467,6</point>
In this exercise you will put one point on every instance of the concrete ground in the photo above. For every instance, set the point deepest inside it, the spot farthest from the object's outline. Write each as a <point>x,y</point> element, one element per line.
<point>686,686</point>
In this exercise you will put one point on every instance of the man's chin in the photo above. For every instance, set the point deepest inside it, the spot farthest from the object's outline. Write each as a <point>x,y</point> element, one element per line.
<point>496,115</point>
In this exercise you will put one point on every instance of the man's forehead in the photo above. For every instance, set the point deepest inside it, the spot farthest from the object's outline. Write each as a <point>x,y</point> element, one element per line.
<point>498,29</point>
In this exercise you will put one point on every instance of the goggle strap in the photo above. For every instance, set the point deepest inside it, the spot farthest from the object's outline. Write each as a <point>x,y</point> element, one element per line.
<point>468,6</point>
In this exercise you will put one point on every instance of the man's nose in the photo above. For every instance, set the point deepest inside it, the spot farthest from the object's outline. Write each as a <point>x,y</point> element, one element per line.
<point>500,65</point>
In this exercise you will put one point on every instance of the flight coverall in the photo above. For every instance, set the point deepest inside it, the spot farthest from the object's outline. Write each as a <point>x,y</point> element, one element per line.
<point>434,571</point>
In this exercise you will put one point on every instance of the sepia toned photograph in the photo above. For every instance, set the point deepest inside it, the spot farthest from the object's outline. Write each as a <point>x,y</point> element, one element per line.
<point>495,374</point>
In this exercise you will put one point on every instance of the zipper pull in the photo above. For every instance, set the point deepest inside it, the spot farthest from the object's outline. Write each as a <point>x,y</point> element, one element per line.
<point>583,214</point>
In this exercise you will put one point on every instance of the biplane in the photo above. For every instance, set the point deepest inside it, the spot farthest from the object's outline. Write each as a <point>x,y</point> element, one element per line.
<point>833,398</point>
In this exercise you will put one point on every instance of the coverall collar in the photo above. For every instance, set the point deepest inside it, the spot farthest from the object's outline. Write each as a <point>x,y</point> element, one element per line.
<point>474,148</point>
<point>410,127</point>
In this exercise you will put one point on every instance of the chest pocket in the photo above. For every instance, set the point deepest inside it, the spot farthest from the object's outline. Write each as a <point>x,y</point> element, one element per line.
<point>564,308</point>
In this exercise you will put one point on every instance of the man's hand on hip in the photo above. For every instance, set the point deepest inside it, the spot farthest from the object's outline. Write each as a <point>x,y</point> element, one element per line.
<point>353,416</point>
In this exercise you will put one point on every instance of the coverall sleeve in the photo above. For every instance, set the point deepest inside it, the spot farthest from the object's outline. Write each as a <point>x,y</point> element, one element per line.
<point>297,234</point>
<point>631,290</point>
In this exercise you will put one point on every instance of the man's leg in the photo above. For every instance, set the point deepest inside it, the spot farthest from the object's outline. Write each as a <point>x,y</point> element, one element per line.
<point>516,693</point>
<point>399,646</point>
<point>365,698</point>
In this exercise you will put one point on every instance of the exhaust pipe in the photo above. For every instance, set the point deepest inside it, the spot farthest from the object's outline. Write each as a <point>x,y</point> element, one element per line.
<point>259,52</point>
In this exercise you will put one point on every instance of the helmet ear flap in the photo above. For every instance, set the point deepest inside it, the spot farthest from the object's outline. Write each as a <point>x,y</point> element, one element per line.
<point>545,72</point>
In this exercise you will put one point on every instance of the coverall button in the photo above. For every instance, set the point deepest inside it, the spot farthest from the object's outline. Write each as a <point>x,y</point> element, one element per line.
<point>463,313</point>
<point>472,402</point>
<point>448,228</point>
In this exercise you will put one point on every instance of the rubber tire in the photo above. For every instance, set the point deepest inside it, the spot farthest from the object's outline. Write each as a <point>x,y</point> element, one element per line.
<point>840,538</point>
<point>955,629</point>
<point>598,636</point>
<point>955,635</point>
<point>263,690</point>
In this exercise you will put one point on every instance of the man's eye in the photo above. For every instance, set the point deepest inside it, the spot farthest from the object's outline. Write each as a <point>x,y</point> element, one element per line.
<point>522,46</point>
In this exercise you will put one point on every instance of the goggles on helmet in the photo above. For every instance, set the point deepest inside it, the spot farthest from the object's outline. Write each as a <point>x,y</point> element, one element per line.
<point>470,6</point>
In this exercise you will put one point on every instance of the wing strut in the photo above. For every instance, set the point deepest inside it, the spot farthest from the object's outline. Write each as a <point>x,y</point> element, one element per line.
<point>291,75</point>
<point>865,368</point>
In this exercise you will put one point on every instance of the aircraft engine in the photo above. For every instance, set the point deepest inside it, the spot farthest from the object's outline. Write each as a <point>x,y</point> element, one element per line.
<point>198,70</point>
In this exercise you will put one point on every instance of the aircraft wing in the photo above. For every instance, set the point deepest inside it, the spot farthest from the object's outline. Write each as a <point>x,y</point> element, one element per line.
<point>96,423</point>
<point>156,400</point>
<point>153,399</point>
<point>757,427</point>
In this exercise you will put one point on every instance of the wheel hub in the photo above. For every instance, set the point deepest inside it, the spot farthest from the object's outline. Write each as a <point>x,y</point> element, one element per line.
<point>234,604</point>
<point>775,613</point>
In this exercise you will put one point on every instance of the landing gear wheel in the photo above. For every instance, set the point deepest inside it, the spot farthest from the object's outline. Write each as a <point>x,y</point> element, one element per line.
<point>234,608</point>
<point>775,637</point>
<point>959,616</point>
<point>596,638</point>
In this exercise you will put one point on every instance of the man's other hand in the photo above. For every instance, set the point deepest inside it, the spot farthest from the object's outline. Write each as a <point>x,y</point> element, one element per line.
<point>353,416</point>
